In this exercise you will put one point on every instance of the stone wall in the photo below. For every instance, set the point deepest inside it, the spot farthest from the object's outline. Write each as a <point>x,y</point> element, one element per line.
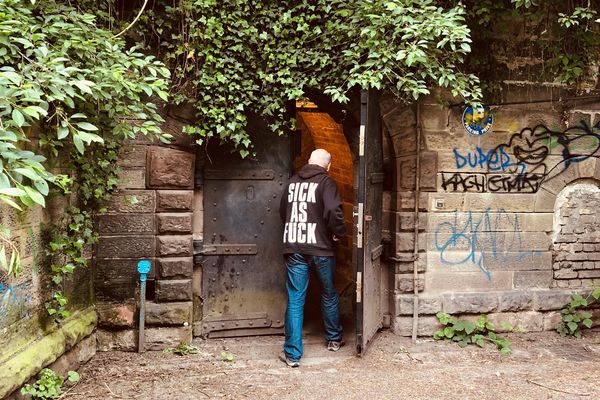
<point>30,338</point>
<point>151,218</point>
<point>487,208</point>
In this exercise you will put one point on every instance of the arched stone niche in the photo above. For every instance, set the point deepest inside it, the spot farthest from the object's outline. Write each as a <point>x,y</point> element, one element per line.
<point>576,236</point>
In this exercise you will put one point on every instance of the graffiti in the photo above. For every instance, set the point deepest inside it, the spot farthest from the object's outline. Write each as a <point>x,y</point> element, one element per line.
<point>479,239</point>
<point>13,296</point>
<point>461,182</point>
<point>520,183</point>
<point>493,160</point>
<point>527,160</point>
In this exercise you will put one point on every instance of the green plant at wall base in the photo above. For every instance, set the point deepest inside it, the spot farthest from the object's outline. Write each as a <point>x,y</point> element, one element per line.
<point>183,349</point>
<point>573,320</point>
<point>49,385</point>
<point>465,332</point>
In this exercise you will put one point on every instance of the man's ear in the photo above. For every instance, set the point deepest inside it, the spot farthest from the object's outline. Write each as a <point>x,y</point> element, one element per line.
<point>328,165</point>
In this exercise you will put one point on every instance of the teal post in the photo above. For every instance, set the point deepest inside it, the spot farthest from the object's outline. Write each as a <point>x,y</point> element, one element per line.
<point>143,269</point>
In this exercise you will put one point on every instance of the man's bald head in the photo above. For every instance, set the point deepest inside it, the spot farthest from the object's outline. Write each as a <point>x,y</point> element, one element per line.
<point>320,157</point>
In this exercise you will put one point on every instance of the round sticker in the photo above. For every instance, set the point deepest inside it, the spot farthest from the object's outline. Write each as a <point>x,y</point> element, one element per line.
<point>477,120</point>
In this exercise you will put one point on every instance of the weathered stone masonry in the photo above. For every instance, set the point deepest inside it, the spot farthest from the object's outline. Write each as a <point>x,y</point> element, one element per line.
<point>488,240</point>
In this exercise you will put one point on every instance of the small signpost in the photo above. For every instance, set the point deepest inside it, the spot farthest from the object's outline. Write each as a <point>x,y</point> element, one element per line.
<point>143,268</point>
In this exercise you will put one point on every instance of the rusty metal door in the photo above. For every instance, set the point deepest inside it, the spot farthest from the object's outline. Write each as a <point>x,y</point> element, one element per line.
<point>368,216</point>
<point>243,278</point>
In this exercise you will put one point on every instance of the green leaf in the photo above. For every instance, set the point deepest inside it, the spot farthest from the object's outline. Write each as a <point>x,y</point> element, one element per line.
<point>572,326</point>
<point>587,323</point>
<point>62,132</point>
<point>29,173</point>
<point>86,126</point>
<point>18,118</point>
<point>12,191</point>
<point>448,332</point>
<point>35,196</point>
<point>73,376</point>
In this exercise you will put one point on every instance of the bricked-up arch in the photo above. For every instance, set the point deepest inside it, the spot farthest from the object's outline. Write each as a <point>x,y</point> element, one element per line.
<point>576,238</point>
<point>319,130</point>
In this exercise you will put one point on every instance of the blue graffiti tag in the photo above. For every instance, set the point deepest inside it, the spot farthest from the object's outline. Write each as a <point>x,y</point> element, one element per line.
<point>13,296</point>
<point>493,160</point>
<point>481,239</point>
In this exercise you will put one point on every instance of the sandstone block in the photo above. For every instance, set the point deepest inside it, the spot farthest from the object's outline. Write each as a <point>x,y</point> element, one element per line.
<point>546,300</point>
<point>515,301</point>
<point>106,270</point>
<point>181,267</point>
<point>135,224</point>
<point>426,326</point>
<point>116,315</point>
<point>175,246</point>
<point>474,280</point>
<point>170,168</point>
<point>168,313</point>
<point>589,274</point>
<point>470,303</point>
<point>399,118</point>
<point>174,290</point>
<point>117,340</point>
<point>529,321</point>
<point>544,201</point>
<point>133,201</point>
<point>125,247</point>
<point>133,156</point>
<point>565,274</point>
<point>161,338</point>
<point>132,179</point>
<point>551,320</point>
<point>533,279</point>
<point>404,283</point>
<point>427,305</point>
<point>174,200</point>
<point>174,223</point>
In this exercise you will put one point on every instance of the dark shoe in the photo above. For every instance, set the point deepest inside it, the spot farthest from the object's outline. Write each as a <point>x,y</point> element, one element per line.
<point>290,363</point>
<point>332,345</point>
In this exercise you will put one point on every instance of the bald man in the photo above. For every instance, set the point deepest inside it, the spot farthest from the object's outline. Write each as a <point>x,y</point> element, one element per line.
<point>311,210</point>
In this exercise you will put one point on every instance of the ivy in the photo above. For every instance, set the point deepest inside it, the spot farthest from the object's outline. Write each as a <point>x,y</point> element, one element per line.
<point>70,95</point>
<point>233,58</point>
<point>574,320</point>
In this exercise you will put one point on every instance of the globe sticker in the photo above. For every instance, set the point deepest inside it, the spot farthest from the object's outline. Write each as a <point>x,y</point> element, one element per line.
<point>477,120</point>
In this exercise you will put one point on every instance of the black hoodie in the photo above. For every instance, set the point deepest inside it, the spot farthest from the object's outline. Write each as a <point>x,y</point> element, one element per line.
<point>311,210</point>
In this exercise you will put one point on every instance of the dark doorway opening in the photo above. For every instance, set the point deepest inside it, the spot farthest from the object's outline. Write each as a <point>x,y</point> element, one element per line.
<point>317,129</point>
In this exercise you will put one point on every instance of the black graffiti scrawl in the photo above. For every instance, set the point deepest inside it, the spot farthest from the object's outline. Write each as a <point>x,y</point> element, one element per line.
<point>529,158</point>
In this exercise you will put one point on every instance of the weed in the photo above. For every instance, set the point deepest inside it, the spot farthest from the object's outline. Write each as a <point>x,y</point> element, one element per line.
<point>49,385</point>
<point>183,349</point>
<point>466,332</point>
<point>574,321</point>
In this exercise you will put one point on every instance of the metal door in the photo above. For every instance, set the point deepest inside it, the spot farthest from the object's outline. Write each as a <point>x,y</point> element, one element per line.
<point>243,278</point>
<point>369,317</point>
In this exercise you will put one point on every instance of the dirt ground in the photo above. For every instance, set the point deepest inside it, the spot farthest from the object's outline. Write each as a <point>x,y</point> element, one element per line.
<point>542,366</point>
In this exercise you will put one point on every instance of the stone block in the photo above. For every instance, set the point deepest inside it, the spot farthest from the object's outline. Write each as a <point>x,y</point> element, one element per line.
<point>440,202</point>
<point>181,267</point>
<point>404,283</point>
<point>106,270</point>
<point>134,224</point>
<point>466,281</point>
<point>544,201</point>
<point>125,247</point>
<point>116,315</point>
<point>405,221</point>
<point>133,156</point>
<point>437,117</point>
<point>75,358</point>
<point>169,313</point>
<point>470,303</point>
<point>174,290</point>
<point>533,279</point>
<point>428,175</point>
<point>399,118</point>
<point>426,326</point>
<point>551,299</point>
<point>174,223</point>
<point>161,338</point>
<point>133,201</point>
<point>427,305</point>
<point>555,184</point>
<point>404,267</point>
<point>117,340</point>
<point>405,200</point>
<point>529,321</point>
<point>515,301</point>
<point>175,200</point>
<point>132,179</point>
<point>170,168</point>
<point>405,242</point>
<point>587,168</point>
<point>508,202</point>
<point>404,142</point>
<point>551,320</point>
<point>174,246</point>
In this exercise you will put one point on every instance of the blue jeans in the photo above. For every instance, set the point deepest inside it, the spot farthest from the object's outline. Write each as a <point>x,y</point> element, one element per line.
<point>298,272</point>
